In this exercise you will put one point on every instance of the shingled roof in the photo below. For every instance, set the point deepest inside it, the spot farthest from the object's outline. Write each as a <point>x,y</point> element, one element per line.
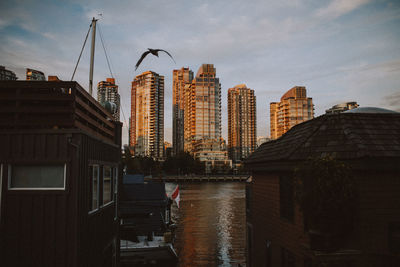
<point>346,136</point>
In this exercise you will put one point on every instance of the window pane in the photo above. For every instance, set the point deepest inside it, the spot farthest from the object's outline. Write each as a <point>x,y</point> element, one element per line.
<point>37,176</point>
<point>95,187</point>
<point>107,192</point>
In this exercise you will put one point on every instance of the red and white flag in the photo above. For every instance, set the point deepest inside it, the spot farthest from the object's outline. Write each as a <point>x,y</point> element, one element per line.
<point>176,196</point>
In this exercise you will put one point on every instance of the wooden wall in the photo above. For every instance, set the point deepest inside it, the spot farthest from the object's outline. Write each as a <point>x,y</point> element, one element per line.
<point>38,227</point>
<point>378,206</point>
<point>53,227</point>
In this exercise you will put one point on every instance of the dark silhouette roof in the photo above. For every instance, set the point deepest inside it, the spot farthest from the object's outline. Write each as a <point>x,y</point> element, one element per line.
<point>133,179</point>
<point>148,191</point>
<point>346,136</point>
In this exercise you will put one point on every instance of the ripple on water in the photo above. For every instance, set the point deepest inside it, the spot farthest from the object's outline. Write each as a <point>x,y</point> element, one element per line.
<point>211,224</point>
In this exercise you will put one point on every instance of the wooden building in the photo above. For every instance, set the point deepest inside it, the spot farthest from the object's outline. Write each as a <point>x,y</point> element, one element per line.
<point>366,139</point>
<point>59,157</point>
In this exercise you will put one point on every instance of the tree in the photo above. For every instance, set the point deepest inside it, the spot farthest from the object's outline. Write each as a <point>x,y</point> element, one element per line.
<point>183,163</point>
<point>326,192</point>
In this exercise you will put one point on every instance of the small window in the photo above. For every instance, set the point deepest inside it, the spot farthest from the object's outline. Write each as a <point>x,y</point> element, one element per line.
<point>107,184</point>
<point>249,245</point>
<point>94,181</point>
<point>286,197</point>
<point>287,258</point>
<point>115,182</point>
<point>248,198</point>
<point>36,177</point>
<point>1,185</point>
<point>394,237</point>
<point>268,253</point>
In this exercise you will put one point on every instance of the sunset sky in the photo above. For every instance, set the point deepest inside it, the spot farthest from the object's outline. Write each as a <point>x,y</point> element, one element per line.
<point>341,50</point>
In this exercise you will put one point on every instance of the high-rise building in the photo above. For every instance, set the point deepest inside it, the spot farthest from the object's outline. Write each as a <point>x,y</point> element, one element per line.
<point>180,78</point>
<point>293,109</point>
<point>202,123</point>
<point>342,107</point>
<point>242,126</point>
<point>107,91</point>
<point>34,75</point>
<point>147,115</point>
<point>7,75</point>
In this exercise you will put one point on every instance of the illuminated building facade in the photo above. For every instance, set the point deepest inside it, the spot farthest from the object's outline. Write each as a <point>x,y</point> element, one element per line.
<point>107,91</point>
<point>241,122</point>
<point>342,107</point>
<point>34,75</point>
<point>180,78</point>
<point>202,123</point>
<point>147,115</point>
<point>294,108</point>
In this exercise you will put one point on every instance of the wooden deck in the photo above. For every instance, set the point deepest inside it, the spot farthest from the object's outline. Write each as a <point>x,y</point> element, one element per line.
<point>200,178</point>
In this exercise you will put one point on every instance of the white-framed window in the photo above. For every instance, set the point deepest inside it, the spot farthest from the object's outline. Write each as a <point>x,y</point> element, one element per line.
<point>1,184</point>
<point>115,176</point>
<point>36,176</point>
<point>107,184</point>
<point>94,173</point>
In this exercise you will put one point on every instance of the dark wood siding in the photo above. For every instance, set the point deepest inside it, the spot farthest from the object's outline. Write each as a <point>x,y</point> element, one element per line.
<point>38,226</point>
<point>53,227</point>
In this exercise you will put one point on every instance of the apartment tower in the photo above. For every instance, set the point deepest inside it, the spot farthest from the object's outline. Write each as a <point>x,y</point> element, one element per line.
<point>241,122</point>
<point>202,123</point>
<point>147,115</point>
<point>180,78</point>
<point>294,108</point>
<point>107,91</point>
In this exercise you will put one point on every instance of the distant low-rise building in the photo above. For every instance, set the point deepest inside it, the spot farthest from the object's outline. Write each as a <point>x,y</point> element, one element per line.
<point>366,139</point>
<point>342,107</point>
<point>53,78</point>
<point>7,75</point>
<point>35,75</point>
<point>261,140</point>
<point>167,149</point>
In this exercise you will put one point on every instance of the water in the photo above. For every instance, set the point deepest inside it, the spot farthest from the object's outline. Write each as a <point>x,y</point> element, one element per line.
<point>211,224</point>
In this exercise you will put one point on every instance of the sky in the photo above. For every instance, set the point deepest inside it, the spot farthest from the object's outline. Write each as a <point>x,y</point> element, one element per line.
<point>340,50</point>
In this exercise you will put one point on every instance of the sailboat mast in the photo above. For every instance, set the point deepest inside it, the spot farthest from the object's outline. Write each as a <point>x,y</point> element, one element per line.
<point>92,55</point>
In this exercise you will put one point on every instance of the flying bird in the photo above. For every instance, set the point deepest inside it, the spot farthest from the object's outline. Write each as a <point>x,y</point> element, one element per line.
<point>153,52</point>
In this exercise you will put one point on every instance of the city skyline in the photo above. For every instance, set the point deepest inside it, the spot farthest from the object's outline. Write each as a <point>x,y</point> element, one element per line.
<point>339,50</point>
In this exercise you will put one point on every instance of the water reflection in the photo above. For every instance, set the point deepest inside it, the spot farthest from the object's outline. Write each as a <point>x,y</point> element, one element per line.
<point>211,224</point>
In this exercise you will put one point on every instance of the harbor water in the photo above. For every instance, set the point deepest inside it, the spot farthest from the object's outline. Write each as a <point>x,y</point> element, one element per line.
<point>211,224</point>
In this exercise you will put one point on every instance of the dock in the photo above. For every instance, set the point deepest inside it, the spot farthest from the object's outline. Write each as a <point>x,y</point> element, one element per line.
<point>200,178</point>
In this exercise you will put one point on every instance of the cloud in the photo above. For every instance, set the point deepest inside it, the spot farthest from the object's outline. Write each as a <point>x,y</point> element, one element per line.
<point>393,101</point>
<point>269,45</point>
<point>338,8</point>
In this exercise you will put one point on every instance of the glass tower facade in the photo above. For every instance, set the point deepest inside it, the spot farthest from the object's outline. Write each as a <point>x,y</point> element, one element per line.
<point>202,123</point>
<point>294,108</point>
<point>241,122</point>
<point>180,78</point>
<point>147,115</point>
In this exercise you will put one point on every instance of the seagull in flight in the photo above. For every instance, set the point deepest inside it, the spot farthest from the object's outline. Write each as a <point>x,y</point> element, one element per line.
<point>153,52</point>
